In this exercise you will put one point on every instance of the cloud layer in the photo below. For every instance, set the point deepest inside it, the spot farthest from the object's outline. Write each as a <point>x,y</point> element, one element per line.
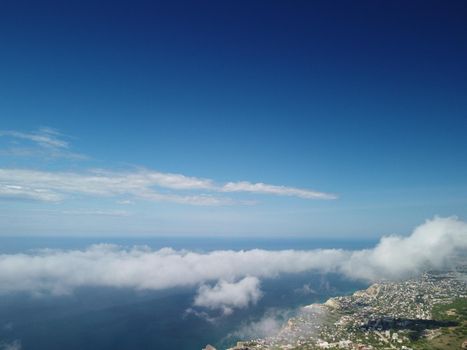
<point>237,273</point>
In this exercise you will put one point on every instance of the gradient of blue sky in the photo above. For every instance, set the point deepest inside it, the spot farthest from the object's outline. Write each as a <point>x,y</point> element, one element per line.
<point>365,99</point>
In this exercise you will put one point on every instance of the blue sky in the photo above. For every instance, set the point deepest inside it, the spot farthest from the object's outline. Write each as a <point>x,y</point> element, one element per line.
<point>320,119</point>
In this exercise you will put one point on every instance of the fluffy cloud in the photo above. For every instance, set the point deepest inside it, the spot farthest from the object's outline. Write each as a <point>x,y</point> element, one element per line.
<point>431,245</point>
<point>228,296</point>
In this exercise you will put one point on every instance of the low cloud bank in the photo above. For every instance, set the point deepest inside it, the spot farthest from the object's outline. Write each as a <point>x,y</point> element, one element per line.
<point>431,245</point>
<point>237,273</point>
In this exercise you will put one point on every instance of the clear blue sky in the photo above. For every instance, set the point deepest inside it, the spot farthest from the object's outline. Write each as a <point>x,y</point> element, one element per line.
<point>362,102</point>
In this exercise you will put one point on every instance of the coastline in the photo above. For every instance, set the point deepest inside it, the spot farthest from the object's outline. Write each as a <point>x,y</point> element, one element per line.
<point>409,314</point>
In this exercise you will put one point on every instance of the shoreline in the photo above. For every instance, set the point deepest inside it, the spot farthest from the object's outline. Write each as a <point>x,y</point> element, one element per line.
<point>386,315</point>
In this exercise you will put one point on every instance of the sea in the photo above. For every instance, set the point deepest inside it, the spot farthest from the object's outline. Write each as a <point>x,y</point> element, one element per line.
<point>117,319</point>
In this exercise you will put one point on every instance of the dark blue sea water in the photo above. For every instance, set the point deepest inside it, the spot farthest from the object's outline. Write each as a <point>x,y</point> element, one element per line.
<point>110,318</point>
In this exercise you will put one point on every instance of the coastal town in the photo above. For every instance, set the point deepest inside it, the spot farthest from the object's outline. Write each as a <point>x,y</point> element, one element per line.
<point>428,312</point>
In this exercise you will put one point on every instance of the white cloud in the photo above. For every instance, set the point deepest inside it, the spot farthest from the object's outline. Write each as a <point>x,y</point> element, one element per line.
<point>279,326</point>
<point>245,186</point>
<point>48,142</point>
<point>25,192</point>
<point>268,325</point>
<point>228,296</point>
<point>125,202</point>
<point>56,186</point>
<point>45,137</point>
<point>430,246</point>
<point>108,265</point>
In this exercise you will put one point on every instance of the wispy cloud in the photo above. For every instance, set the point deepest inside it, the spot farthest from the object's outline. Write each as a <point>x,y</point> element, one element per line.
<point>45,137</point>
<point>142,184</point>
<point>11,191</point>
<point>55,186</point>
<point>47,142</point>
<point>245,186</point>
<point>125,202</point>
<point>268,325</point>
<point>14,345</point>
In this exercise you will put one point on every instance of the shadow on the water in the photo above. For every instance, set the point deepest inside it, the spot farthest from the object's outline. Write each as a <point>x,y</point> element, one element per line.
<point>416,327</point>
